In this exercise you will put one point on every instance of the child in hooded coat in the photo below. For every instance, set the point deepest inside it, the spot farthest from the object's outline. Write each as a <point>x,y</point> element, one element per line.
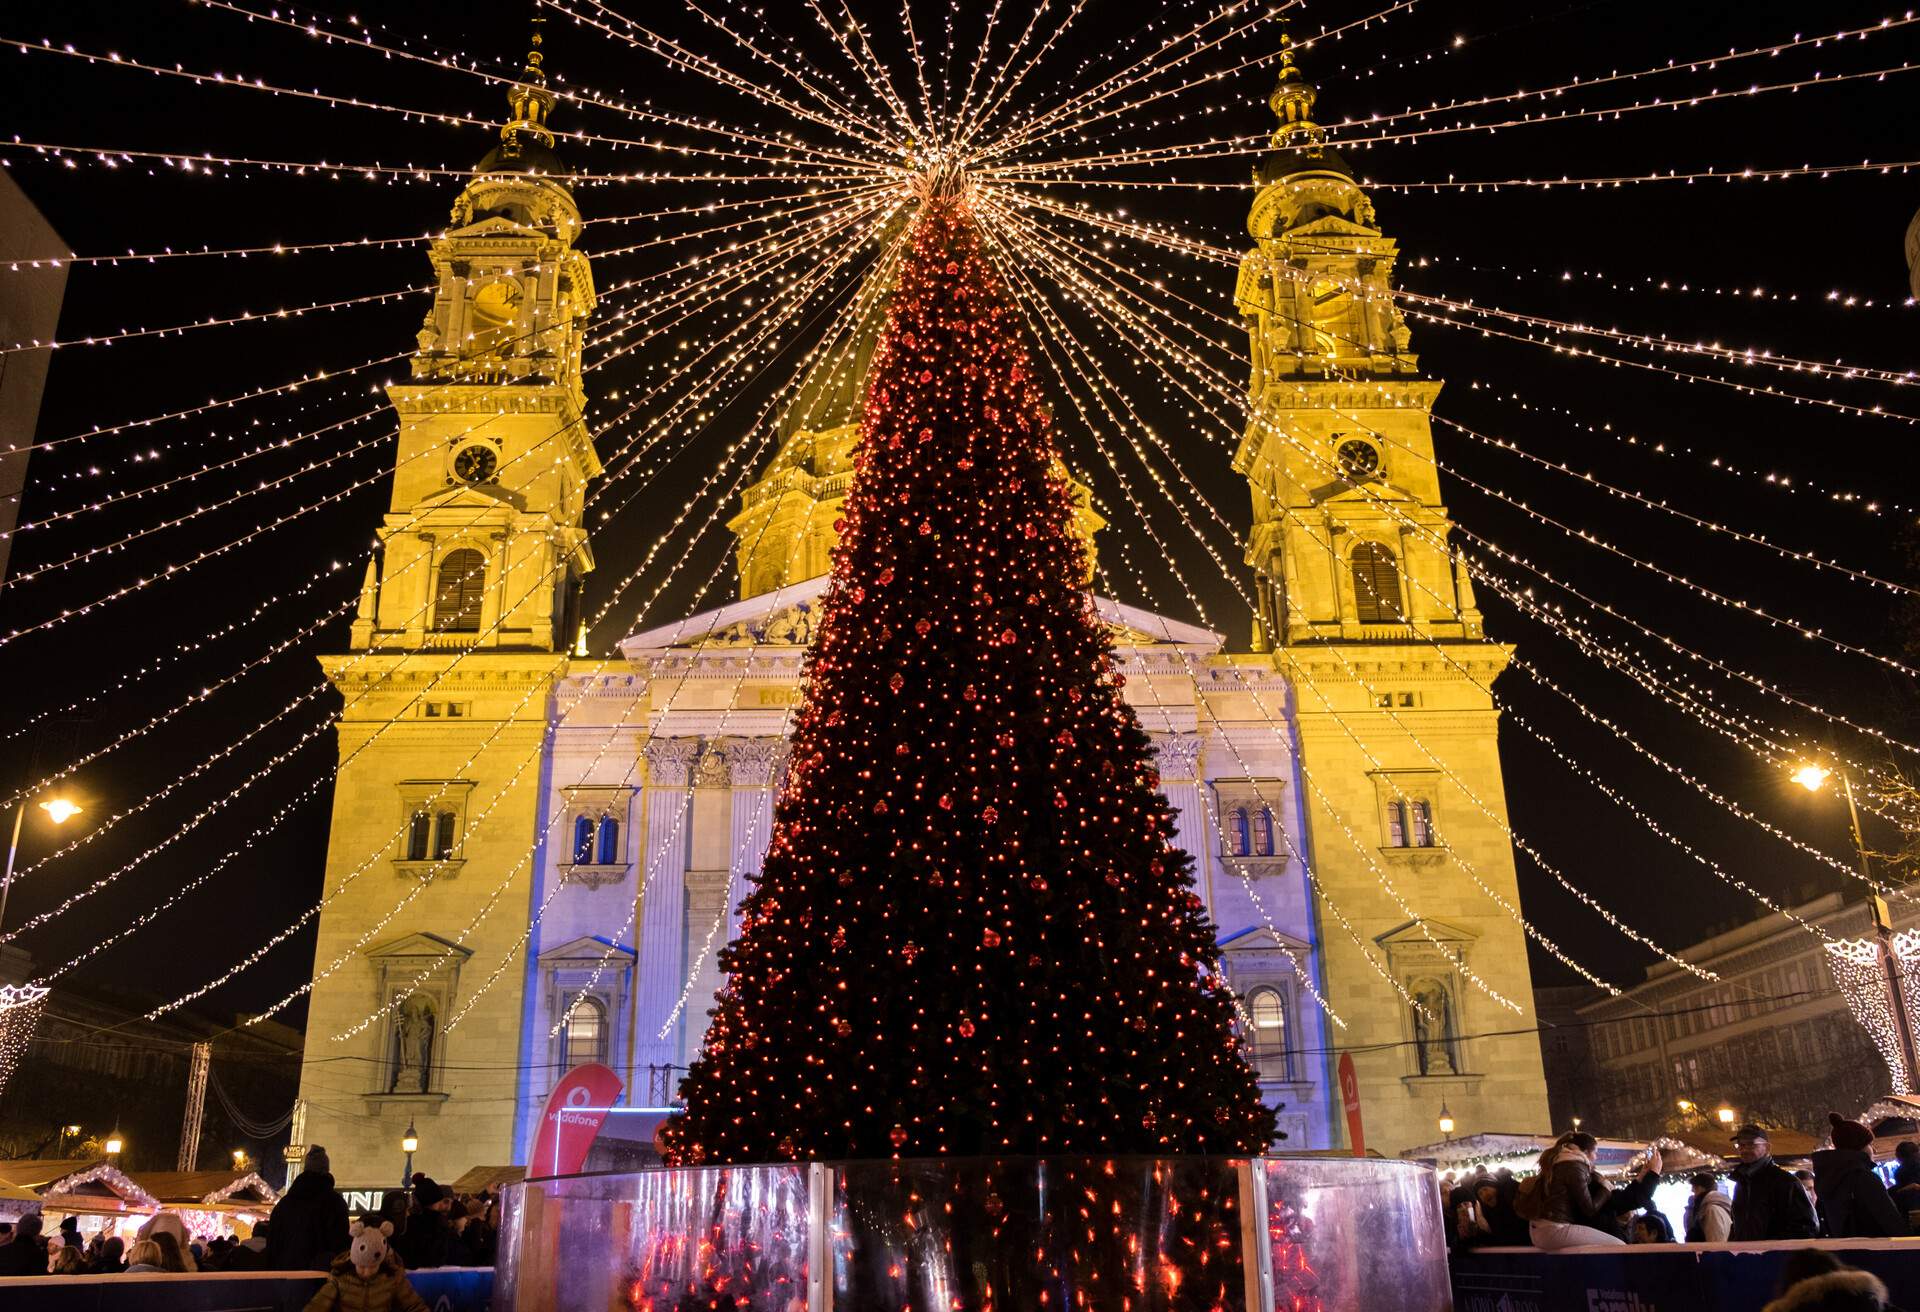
<point>368,1277</point>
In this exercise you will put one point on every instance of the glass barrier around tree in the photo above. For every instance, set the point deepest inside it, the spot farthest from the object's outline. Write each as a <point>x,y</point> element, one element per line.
<point>1305,1234</point>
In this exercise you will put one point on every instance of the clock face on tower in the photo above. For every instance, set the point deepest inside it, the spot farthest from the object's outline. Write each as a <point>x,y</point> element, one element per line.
<point>1358,459</point>
<point>476,463</point>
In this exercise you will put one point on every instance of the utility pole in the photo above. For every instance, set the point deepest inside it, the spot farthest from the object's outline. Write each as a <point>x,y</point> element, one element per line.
<point>196,1106</point>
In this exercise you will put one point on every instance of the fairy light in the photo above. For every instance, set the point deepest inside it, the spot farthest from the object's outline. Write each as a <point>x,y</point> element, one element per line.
<point>322,685</point>
<point>1675,448</point>
<point>20,1008</point>
<point>1429,532</point>
<point>1859,971</point>
<point>1300,671</point>
<point>798,292</point>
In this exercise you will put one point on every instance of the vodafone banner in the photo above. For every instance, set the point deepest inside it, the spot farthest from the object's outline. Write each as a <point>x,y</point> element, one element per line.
<point>1350,1096</point>
<point>576,1110</point>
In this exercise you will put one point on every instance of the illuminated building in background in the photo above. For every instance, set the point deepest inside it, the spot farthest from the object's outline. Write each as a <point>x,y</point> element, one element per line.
<point>30,295</point>
<point>577,871</point>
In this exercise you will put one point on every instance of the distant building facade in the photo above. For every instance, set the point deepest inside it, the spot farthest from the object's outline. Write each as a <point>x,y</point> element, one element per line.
<point>35,262</point>
<point>97,1063</point>
<point>1772,1038</point>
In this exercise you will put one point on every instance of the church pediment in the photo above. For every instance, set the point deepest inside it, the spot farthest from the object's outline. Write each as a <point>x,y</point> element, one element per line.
<point>421,945</point>
<point>787,617</point>
<point>588,948</point>
<point>1261,938</point>
<point>497,226</point>
<point>1411,933</point>
<point>476,497</point>
<point>1332,225</point>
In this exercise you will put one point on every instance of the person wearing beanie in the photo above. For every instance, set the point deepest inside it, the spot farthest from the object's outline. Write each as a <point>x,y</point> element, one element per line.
<point>1853,1202</point>
<point>428,1239</point>
<point>308,1228</point>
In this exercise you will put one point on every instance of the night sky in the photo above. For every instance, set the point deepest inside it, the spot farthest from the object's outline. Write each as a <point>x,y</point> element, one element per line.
<point>1798,239</point>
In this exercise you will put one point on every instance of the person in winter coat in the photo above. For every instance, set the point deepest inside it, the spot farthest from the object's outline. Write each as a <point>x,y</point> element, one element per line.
<point>368,1277</point>
<point>1813,1280</point>
<point>308,1228</point>
<point>1573,1198</point>
<point>145,1258</point>
<point>170,1225</point>
<point>1709,1212</point>
<point>1853,1203</point>
<point>24,1254</point>
<point>1768,1203</point>
<point>428,1237</point>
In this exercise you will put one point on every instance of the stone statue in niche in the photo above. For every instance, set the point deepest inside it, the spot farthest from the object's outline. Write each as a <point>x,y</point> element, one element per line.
<point>414,1028</point>
<point>1433,1028</point>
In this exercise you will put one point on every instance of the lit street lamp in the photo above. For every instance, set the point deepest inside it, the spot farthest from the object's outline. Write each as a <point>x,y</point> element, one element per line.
<point>1446,1121</point>
<point>1813,776</point>
<point>59,810</point>
<point>1726,1115</point>
<point>409,1144</point>
<point>114,1144</point>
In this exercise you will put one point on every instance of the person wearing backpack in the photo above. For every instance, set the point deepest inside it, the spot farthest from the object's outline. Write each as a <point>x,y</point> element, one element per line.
<point>1565,1208</point>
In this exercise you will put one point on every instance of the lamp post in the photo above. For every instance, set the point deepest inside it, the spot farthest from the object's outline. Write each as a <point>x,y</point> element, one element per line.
<point>409,1144</point>
<point>1726,1116</point>
<point>1446,1121</point>
<point>114,1144</point>
<point>68,1132</point>
<point>1812,776</point>
<point>59,810</point>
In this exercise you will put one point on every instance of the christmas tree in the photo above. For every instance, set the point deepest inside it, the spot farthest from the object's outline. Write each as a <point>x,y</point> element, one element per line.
<point>972,933</point>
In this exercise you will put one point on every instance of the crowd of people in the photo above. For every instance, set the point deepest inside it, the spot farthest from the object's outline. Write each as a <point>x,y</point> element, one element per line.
<point>309,1230</point>
<point>1567,1204</point>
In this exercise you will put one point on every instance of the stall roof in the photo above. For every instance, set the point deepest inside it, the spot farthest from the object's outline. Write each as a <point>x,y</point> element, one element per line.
<point>488,1178</point>
<point>38,1172</point>
<point>205,1188</point>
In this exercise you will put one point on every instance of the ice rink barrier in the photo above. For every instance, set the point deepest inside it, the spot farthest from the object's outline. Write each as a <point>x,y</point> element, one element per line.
<point>1269,1234</point>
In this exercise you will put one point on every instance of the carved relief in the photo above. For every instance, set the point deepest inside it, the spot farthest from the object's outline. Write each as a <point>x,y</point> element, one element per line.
<point>670,760</point>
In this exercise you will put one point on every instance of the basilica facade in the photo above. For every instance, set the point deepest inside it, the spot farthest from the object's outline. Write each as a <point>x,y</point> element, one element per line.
<point>536,854</point>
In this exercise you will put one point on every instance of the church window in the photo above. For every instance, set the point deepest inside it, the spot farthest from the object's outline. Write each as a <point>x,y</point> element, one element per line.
<point>419,835</point>
<point>1263,832</point>
<point>458,590</point>
<point>1409,822</point>
<point>446,834</point>
<point>1420,812</point>
<point>1238,834</point>
<point>582,840</point>
<point>1376,584</point>
<point>1269,1015</point>
<point>586,1033</point>
<point>608,851</point>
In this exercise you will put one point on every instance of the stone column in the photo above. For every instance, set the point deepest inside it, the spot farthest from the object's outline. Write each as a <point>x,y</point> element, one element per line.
<point>1178,758</point>
<point>662,941</point>
<point>757,764</point>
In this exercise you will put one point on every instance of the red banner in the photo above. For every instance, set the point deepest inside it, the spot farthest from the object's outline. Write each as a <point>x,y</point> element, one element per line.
<point>576,1110</point>
<point>1350,1095</point>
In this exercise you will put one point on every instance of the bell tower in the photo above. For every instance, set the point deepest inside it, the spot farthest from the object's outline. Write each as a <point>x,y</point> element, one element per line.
<point>1365,607</point>
<point>482,545</point>
<point>416,1015</point>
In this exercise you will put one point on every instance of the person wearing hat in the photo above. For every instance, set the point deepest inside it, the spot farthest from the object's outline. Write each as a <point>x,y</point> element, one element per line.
<point>308,1228</point>
<point>1853,1202</point>
<point>1768,1203</point>
<point>428,1239</point>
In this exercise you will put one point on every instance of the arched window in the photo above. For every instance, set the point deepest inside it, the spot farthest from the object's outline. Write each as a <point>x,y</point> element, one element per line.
<point>1376,584</point>
<point>1269,1015</point>
<point>457,592</point>
<point>582,840</point>
<point>419,835</point>
<point>1237,832</point>
<point>1263,832</point>
<point>586,1033</point>
<point>1421,814</point>
<point>446,833</point>
<point>609,851</point>
<point>1396,823</point>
